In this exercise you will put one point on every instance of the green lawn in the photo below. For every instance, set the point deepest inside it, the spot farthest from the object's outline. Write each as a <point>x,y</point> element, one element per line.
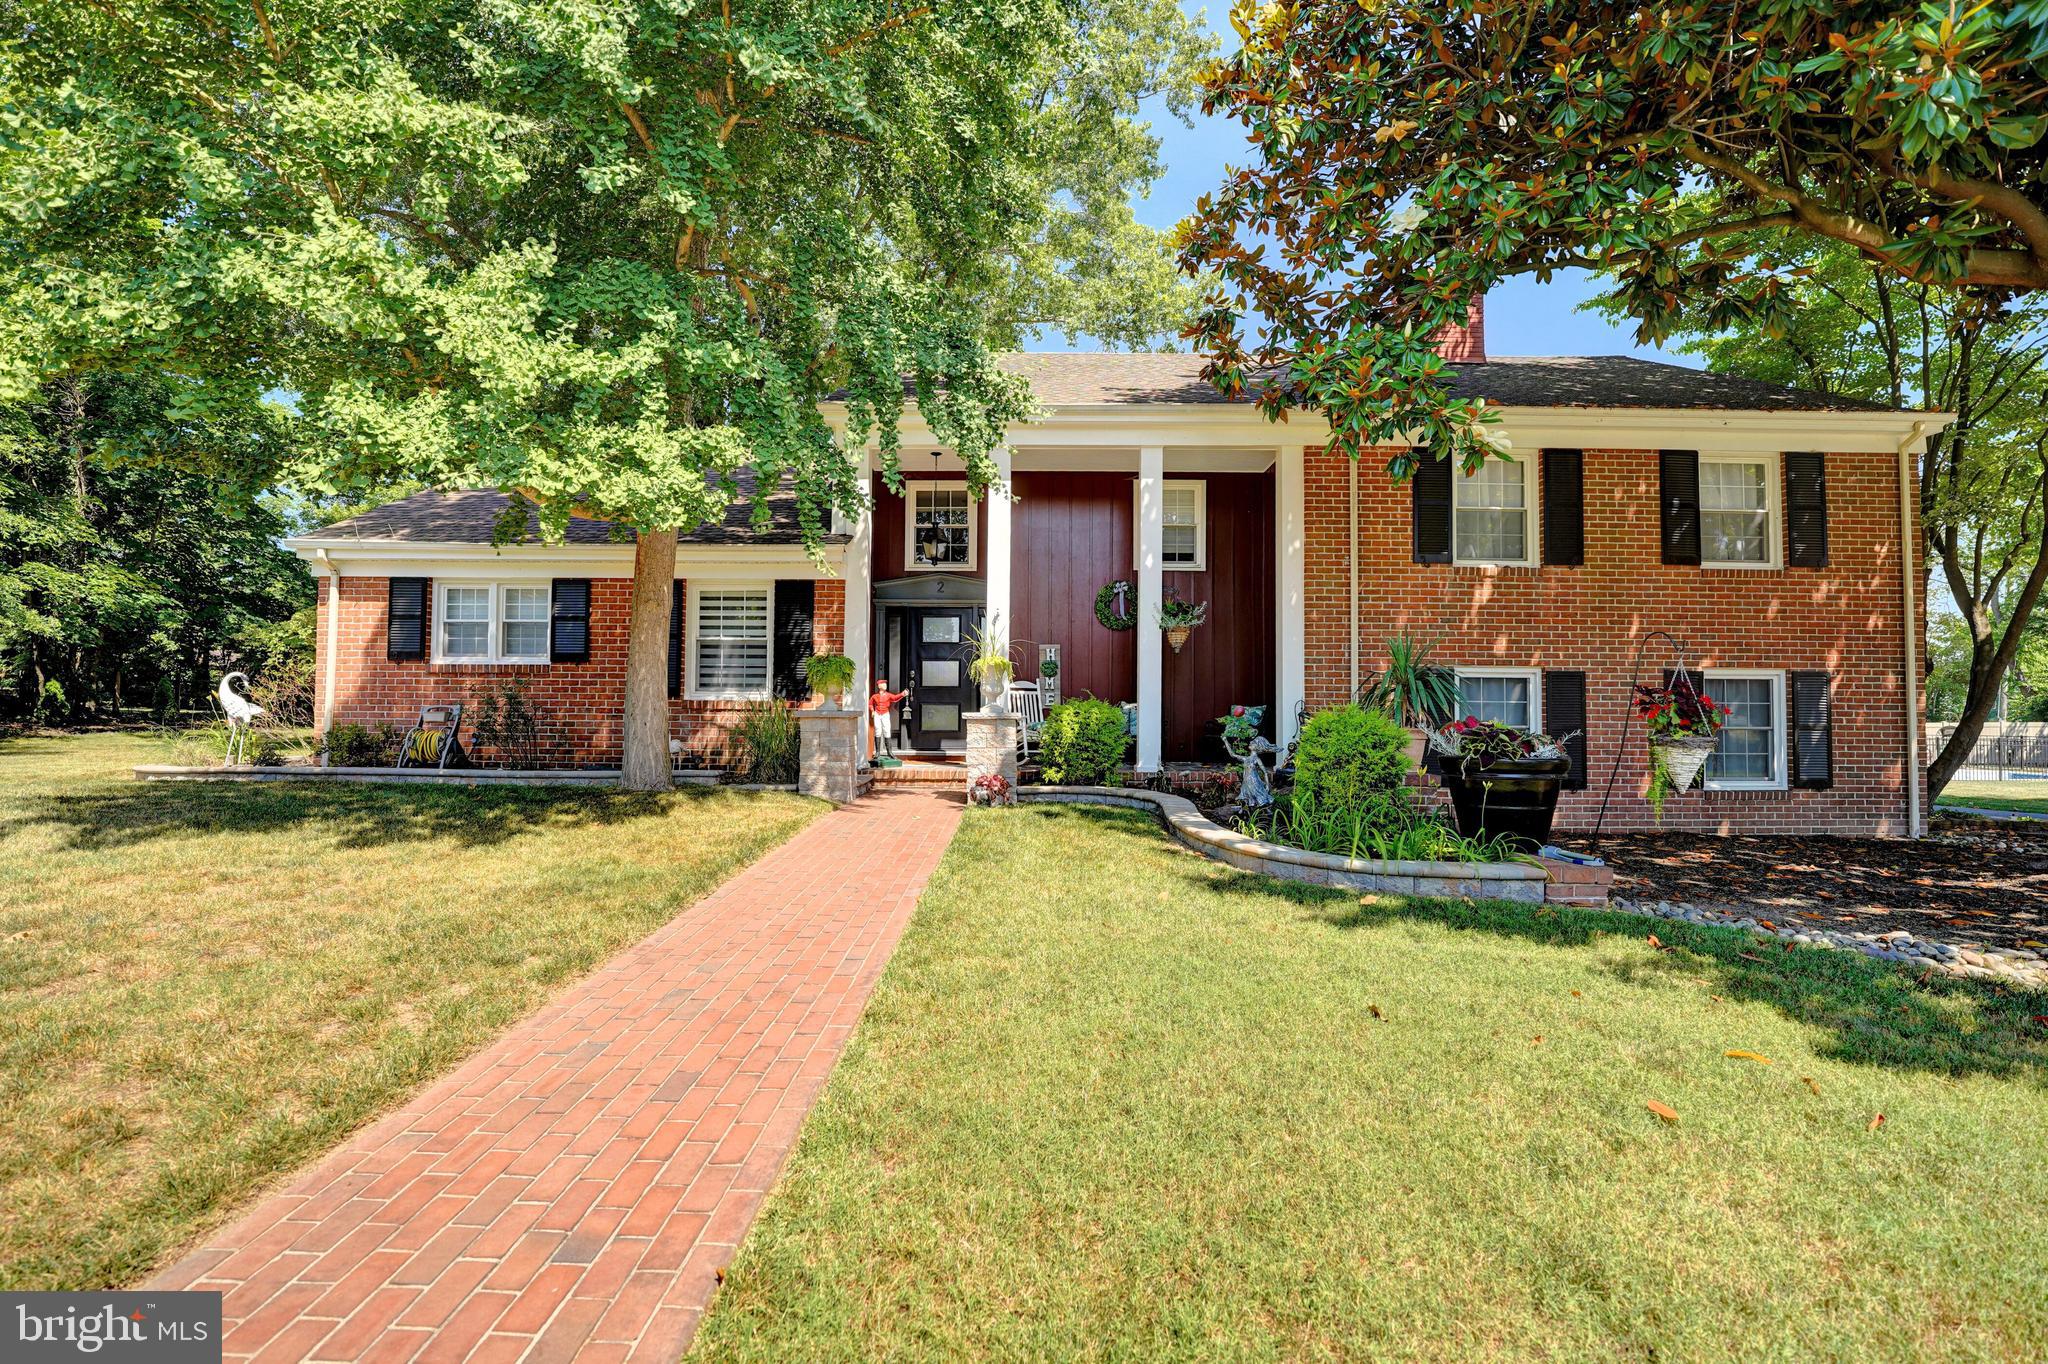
<point>1112,1101</point>
<point>2031,797</point>
<point>202,987</point>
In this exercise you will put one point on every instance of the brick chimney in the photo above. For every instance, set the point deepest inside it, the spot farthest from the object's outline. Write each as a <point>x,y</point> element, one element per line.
<point>1466,344</point>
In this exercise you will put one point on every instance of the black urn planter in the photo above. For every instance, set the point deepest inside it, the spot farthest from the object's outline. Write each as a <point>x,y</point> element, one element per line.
<point>1516,798</point>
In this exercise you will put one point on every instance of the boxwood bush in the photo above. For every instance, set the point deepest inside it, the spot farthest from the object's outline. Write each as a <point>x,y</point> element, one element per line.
<point>1349,757</point>
<point>1082,743</point>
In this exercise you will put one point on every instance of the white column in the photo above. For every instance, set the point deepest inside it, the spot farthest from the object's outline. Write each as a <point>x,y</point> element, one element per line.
<point>1151,659</point>
<point>1290,579</point>
<point>998,550</point>
<point>860,610</point>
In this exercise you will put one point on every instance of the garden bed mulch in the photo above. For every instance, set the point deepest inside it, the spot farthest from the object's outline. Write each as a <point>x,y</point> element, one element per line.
<point>1973,883</point>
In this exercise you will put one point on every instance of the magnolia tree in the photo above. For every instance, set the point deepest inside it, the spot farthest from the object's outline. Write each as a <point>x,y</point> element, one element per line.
<point>1407,156</point>
<point>598,254</point>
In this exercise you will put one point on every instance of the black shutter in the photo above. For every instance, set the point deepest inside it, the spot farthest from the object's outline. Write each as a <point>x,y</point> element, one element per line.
<point>796,601</point>
<point>405,618</point>
<point>1564,710</point>
<point>675,642</point>
<point>1813,731</point>
<point>569,622</point>
<point>1430,488</point>
<point>1678,483</point>
<point>1806,510</point>
<point>1564,507</point>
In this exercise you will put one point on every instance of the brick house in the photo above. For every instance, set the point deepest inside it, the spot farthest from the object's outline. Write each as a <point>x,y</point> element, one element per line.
<point>1767,528</point>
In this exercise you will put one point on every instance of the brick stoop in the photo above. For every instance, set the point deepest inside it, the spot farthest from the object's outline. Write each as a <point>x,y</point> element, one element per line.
<point>1572,884</point>
<point>924,775</point>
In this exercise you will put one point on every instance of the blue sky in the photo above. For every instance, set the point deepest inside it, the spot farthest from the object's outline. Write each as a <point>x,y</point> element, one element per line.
<point>1522,316</point>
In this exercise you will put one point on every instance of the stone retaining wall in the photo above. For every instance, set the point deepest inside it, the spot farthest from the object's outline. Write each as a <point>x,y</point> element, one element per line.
<point>1524,881</point>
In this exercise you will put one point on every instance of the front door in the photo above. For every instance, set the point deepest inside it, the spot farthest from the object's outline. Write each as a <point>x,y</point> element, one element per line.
<point>940,692</point>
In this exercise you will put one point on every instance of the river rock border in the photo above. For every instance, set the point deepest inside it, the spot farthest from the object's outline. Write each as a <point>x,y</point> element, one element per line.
<point>1522,881</point>
<point>2014,966</point>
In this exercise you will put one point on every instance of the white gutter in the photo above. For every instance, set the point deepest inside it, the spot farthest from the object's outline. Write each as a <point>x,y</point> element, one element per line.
<point>1909,570</point>
<point>333,659</point>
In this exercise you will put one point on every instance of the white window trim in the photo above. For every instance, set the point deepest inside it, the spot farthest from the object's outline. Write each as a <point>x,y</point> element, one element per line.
<point>1710,680</point>
<point>494,628</point>
<point>691,617</point>
<point>1774,511</point>
<point>1530,532</point>
<point>1533,676</point>
<point>910,563</point>
<point>1201,487</point>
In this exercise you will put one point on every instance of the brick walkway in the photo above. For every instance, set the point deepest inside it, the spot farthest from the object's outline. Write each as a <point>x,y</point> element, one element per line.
<point>573,1190</point>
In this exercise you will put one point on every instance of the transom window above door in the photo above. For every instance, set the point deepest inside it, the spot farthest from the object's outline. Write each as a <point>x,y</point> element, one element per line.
<point>1490,513</point>
<point>939,530</point>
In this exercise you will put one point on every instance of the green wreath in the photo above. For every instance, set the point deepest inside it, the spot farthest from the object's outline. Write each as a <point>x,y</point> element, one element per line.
<point>1105,608</point>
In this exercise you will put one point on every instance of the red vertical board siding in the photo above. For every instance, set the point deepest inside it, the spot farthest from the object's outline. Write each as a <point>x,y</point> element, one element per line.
<point>1229,660</point>
<point>1070,535</point>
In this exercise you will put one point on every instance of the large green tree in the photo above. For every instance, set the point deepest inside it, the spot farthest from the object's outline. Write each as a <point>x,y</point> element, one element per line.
<point>1406,156</point>
<point>599,252</point>
<point>1844,324</point>
<point>124,581</point>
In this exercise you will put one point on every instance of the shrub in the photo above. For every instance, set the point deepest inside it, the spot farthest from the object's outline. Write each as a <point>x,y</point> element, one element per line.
<point>1347,756</point>
<point>828,674</point>
<point>766,736</point>
<point>352,745</point>
<point>505,723</point>
<point>1082,743</point>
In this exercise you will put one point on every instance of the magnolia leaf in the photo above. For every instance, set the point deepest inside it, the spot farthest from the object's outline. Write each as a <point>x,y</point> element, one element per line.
<point>1874,1123</point>
<point>1664,1111</point>
<point>1740,1055</point>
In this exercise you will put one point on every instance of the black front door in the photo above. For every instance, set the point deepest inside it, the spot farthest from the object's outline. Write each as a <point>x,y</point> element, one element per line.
<point>940,692</point>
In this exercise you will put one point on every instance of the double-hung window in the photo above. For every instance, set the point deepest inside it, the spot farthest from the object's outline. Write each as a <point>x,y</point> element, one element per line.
<point>938,527</point>
<point>1751,753</point>
<point>729,641</point>
<point>491,623</point>
<point>1508,696</point>
<point>1739,511</point>
<point>1490,513</point>
<point>1183,538</point>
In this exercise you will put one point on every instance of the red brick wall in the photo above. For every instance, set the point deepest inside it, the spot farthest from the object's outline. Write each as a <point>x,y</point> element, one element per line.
<point>578,704</point>
<point>1844,618</point>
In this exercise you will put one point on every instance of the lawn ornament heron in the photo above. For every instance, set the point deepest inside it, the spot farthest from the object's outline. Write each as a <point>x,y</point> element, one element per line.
<point>241,713</point>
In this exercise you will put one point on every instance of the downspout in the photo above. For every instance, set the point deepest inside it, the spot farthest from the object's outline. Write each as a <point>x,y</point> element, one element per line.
<point>1909,567</point>
<point>332,661</point>
<point>1352,632</point>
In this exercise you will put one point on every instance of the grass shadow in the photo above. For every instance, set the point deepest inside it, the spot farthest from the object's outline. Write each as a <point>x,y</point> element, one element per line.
<point>1872,1012</point>
<point>358,815</point>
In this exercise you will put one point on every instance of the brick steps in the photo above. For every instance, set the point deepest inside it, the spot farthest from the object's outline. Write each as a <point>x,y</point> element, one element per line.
<point>925,776</point>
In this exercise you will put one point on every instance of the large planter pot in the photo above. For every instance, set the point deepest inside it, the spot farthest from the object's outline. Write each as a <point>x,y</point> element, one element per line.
<point>1516,799</point>
<point>993,688</point>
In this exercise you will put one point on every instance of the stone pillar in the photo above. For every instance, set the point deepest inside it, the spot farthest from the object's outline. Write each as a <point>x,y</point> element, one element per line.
<point>828,755</point>
<point>991,746</point>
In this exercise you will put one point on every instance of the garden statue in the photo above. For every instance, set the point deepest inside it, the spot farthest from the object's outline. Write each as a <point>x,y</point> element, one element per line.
<point>1255,786</point>
<point>241,713</point>
<point>883,703</point>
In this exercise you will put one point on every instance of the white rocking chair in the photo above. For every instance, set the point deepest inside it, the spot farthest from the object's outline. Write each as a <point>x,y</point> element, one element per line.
<point>1027,703</point>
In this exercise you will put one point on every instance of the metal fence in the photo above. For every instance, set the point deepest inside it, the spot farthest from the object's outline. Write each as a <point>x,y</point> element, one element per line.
<point>2013,750</point>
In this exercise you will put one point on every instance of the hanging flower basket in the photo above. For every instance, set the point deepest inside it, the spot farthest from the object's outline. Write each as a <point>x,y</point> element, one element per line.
<point>1684,756</point>
<point>1177,635</point>
<point>1178,618</point>
<point>1685,728</point>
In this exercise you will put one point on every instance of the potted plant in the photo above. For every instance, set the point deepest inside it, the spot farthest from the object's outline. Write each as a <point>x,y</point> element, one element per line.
<point>988,663</point>
<point>1178,618</point>
<point>1685,729</point>
<point>830,676</point>
<point>1503,781</point>
<point>1412,691</point>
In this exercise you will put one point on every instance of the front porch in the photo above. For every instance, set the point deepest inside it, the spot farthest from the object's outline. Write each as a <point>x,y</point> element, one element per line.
<point>1216,523</point>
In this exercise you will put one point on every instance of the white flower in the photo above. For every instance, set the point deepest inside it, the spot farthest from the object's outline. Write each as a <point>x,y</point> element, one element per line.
<point>1409,218</point>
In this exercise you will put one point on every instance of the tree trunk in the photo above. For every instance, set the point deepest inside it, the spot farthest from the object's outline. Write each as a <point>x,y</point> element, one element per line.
<point>644,764</point>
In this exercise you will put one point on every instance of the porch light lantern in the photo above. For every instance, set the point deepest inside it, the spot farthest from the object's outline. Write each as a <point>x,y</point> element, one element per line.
<point>930,543</point>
